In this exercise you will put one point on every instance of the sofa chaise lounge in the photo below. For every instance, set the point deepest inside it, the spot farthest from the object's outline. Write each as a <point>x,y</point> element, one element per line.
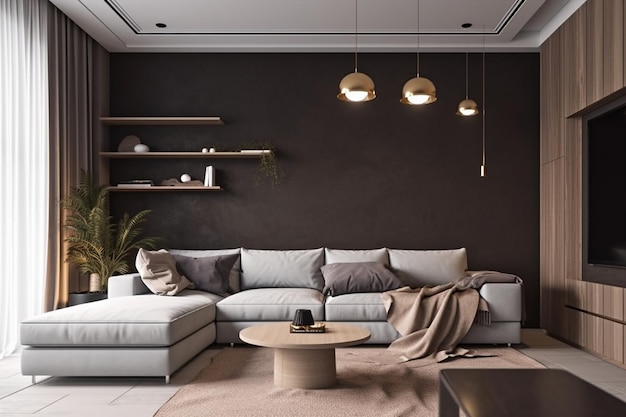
<point>137,333</point>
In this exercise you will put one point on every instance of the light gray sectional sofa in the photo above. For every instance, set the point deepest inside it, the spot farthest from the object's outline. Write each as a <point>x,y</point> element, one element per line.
<point>137,333</point>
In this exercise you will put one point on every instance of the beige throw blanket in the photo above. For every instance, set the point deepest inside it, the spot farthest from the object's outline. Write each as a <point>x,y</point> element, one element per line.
<point>433,320</point>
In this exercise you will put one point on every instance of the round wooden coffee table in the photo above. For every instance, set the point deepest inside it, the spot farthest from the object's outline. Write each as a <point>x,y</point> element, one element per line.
<point>304,360</point>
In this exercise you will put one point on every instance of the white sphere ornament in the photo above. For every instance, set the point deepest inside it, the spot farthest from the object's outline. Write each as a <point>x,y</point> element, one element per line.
<point>141,147</point>
<point>185,178</point>
<point>205,150</point>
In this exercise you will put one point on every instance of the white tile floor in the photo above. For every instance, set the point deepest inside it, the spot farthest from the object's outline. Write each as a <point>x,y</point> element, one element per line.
<point>138,397</point>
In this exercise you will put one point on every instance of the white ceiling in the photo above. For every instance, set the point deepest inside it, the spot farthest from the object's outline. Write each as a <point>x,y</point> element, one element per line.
<point>318,25</point>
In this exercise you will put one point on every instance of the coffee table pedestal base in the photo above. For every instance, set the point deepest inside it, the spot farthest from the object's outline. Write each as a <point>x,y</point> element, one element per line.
<point>304,368</point>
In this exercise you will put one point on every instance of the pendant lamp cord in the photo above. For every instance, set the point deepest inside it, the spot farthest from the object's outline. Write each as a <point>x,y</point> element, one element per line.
<point>482,170</point>
<point>356,34</point>
<point>418,38</point>
<point>466,77</point>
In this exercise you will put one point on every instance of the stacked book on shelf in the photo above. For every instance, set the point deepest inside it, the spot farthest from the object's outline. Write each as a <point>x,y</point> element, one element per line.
<point>136,183</point>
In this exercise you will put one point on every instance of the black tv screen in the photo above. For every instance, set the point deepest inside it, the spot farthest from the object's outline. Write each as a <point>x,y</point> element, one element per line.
<point>606,188</point>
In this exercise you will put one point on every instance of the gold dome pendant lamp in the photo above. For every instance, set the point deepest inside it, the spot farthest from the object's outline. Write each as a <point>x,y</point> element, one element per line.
<point>419,90</point>
<point>467,107</point>
<point>356,86</point>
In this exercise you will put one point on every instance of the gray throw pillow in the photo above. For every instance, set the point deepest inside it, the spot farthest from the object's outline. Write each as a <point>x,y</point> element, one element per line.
<point>158,271</point>
<point>358,277</point>
<point>233,286</point>
<point>208,273</point>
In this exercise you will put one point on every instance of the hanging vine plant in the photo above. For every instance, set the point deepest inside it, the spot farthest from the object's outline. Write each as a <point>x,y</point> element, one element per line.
<point>268,168</point>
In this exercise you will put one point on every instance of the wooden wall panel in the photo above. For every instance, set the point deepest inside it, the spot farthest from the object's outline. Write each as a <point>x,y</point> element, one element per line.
<point>594,296</point>
<point>553,292</point>
<point>613,302</point>
<point>575,293</point>
<point>624,46</point>
<point>613,341</point>
<point>551,131</point>
<point>595,51</point>
<point>613,46</point>
<point>613,332</point>
<point>593,334</point>
<point>574,320</point>
<point>573,198</point>
<point>573,52</point>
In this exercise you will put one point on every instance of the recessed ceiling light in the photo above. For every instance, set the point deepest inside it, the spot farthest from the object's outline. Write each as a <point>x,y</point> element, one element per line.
<point>466,25</point>
<point>161,25</point>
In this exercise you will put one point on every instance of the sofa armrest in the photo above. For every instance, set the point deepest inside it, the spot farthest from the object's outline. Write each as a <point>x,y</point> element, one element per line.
<point>504,299</point>
<point>127,284</point>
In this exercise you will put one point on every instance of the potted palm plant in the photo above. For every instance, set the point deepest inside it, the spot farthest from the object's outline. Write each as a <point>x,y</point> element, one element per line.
<point>97,245</point>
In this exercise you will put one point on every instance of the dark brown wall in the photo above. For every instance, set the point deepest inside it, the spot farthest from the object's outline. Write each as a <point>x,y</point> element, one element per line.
<point>360,175</point>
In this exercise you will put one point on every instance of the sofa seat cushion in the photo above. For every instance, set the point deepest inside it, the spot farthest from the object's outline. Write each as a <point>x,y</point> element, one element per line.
<point>356,307</point>
<point>140,320</point>
<point>270,304</point>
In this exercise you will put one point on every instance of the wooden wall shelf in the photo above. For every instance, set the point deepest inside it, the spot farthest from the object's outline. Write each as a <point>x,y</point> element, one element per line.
<point>207,121</point>
<point>201,155</point>
<point>165,188</point>
<point>172,121</point>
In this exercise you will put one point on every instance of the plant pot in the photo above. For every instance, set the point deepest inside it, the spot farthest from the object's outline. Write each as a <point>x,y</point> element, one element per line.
<point>85,297</point>
<point>94,282</point>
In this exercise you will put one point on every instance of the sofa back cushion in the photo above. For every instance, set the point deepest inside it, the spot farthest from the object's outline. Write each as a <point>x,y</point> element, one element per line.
<point>284,269</point>
<point>417,268</point>
<point>334,256</point>
<point>233,278</point>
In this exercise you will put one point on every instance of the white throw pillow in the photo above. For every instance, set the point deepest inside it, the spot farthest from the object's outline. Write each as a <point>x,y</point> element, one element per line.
<point>278,268</point>
<point>158,271</point>
<point>417,268</point>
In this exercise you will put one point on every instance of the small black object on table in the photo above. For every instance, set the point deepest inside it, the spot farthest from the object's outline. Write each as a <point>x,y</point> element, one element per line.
<point>303,322</point>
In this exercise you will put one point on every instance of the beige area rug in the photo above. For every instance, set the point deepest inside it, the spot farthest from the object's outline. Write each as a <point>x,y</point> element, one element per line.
<point>239,382</point>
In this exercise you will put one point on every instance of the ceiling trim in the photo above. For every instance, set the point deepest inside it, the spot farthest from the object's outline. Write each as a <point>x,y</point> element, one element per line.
<point>117,31</point>
<point>126,18</point>
<point>558,20</point>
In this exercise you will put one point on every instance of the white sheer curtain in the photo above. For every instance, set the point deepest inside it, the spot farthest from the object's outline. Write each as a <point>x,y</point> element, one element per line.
<point>24,131</point>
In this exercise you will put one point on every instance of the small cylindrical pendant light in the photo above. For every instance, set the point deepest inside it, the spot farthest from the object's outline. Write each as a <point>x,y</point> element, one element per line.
<point>467,107</point>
